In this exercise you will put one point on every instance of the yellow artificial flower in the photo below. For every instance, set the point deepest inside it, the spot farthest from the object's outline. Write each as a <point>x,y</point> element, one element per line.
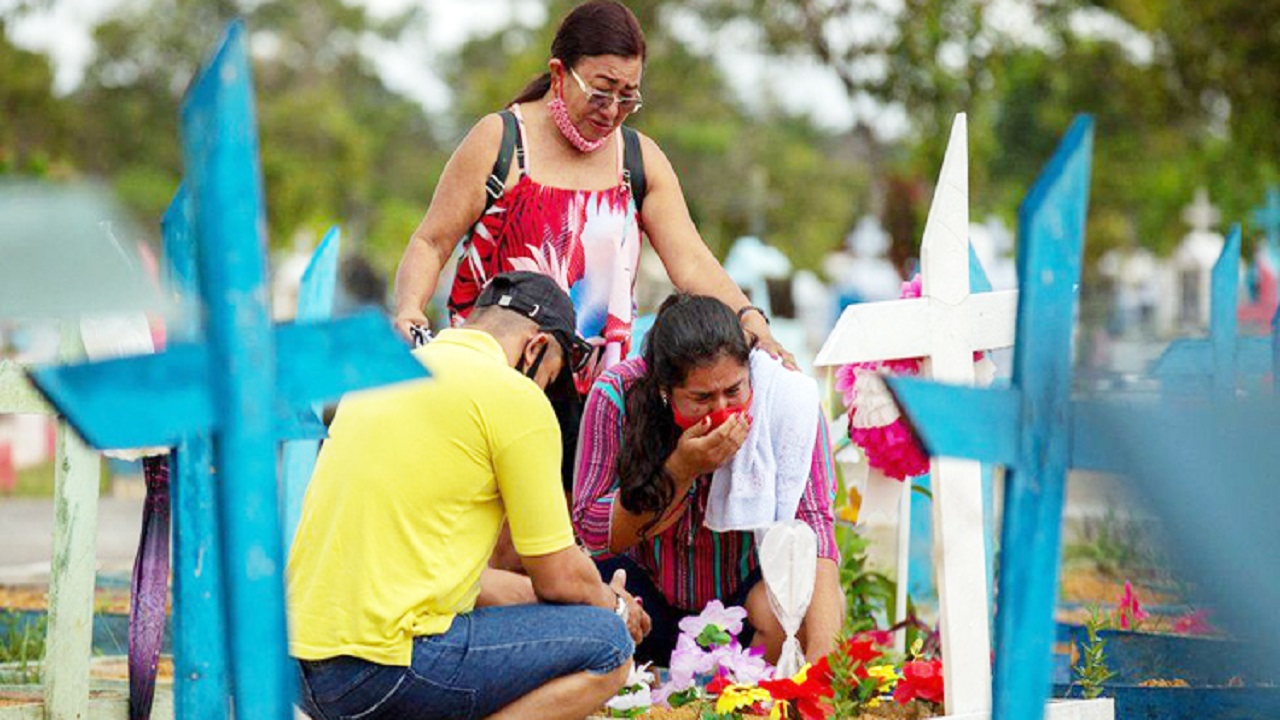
<point>885,674</point>
<point>849,511</point>
<point>740,697</point>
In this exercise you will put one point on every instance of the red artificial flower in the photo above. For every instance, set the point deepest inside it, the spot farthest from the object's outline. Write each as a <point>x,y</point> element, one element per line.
<point>809,694</point>
<point>861,649</point>
<point>1129,611</point>
<point>717,686</point>
<point>920,679</point>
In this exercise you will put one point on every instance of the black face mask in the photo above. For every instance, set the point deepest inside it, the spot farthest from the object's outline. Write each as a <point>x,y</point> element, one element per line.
<point>532,372</point>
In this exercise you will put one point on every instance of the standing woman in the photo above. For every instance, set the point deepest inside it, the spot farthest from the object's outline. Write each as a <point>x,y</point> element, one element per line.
<point>574,203</point>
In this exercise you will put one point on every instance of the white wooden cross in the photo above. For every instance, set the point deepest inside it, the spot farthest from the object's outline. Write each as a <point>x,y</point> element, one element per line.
<point>945,325</point>
<point>1201,215</point>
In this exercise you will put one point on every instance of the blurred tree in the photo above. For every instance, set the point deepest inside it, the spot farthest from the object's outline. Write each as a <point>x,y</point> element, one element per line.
<point>1197,110</point>
<point>337,145</point>
<point>33,122</point>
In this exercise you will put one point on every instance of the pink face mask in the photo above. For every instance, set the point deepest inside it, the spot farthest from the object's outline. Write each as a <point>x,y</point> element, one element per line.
<point>560,116</point>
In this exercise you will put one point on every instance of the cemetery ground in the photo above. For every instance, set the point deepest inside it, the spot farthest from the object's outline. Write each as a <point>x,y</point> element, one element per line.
<point>1108,541</point>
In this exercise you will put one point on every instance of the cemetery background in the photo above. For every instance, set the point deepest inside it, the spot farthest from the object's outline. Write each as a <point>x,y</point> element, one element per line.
<point>846,205</point>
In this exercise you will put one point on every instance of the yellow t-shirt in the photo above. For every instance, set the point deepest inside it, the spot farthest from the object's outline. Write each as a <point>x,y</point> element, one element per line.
<point>408,497</point>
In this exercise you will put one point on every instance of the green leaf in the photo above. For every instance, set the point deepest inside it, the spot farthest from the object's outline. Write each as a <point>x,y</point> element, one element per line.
<point>713,636</point>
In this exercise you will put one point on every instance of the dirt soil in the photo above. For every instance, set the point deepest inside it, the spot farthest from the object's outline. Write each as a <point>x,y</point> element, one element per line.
<point>1086,584</point>
<point>118,669</point>
<point>693,711</point>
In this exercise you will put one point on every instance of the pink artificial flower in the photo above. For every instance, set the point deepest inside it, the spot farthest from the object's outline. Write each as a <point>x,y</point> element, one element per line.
<point>846,377</point>
<point>715,613</point>
<point>912,288</point>
<point>746,666</point>
<point>1129,611</point>
<point>1194,623</point>
<point>892,449</point>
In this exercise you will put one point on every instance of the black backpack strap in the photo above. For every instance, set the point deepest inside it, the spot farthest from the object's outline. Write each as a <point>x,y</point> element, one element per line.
<point>496,183</point>
<point>633,165</point>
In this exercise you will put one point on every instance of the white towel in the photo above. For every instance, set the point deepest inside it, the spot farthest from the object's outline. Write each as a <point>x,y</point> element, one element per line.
<point>764,481</point>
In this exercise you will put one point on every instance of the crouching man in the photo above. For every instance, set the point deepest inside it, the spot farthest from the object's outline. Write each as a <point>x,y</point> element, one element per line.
<point>393,612</point>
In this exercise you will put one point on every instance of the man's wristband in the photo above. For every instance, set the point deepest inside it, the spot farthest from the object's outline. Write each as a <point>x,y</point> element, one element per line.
<point>742,313</point>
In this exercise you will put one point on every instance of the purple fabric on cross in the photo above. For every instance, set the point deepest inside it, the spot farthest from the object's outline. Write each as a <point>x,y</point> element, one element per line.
<point>150,589</point>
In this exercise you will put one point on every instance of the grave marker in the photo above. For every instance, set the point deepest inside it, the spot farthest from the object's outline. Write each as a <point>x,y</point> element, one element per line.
<point>1027,427</point>
<point>199,603</point>
<point>237,382</point>
<point>315,302</point>
<point>946,325</point>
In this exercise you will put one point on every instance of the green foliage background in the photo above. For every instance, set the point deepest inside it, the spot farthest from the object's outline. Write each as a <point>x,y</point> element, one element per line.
<point>339,146</point>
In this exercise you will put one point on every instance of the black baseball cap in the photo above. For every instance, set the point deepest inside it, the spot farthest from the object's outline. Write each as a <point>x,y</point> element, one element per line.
<point>539,298</point>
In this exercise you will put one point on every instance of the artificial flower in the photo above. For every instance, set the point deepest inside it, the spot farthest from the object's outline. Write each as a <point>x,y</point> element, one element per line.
<point>740,697</point>
<point>1194,623</point>
<point>718,684</point>
<point>921,679</point>
<point>746,666</point>
<point>629,703</point>
<point>808,689</point>
<point>876,424</point>
<point>861,650</point>
<point>715,614</point>
<point>885,676</point>
<point>1129,611</point>
<point>635,693</point>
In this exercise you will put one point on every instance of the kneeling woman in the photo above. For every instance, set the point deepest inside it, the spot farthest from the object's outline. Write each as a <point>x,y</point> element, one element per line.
<point>653,433</point>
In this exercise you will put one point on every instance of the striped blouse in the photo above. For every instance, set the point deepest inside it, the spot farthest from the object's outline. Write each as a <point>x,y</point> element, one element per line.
<point>690,564</point>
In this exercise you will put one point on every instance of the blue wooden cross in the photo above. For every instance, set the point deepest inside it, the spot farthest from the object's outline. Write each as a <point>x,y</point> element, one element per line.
<point>199,605</point>
<point>242,383</point>
<point>315,302</point>
<point>1025,426</point>
<point>1224,358</point>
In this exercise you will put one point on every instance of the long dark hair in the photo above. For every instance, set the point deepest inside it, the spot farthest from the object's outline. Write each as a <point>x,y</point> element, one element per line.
<point>690,331</point>
<point>597,27</point>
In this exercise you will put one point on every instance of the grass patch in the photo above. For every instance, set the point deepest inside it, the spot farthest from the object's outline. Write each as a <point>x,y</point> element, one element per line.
<point>37,481</point>
<point>22,646</point>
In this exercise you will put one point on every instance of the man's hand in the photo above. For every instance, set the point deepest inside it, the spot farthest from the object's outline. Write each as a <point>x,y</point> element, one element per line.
<point>701,450</point>
<point>638,622</point>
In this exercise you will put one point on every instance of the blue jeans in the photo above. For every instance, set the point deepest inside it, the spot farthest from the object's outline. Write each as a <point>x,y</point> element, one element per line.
<point>487,659</point>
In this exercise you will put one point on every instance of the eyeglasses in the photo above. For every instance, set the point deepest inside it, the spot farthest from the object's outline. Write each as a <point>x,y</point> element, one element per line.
<point>601,100</point>
<point>577,351</point>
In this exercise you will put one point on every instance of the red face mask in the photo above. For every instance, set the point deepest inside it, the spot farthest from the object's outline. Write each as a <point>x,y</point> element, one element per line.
<point>718,417</point>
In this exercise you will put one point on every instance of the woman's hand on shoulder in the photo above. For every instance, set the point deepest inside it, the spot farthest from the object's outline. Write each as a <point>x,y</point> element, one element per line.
<point>701,450</point>
<point>770,345</point>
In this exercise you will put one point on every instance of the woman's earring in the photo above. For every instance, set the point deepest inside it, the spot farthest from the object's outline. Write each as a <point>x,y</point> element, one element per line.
<point>665,401</point>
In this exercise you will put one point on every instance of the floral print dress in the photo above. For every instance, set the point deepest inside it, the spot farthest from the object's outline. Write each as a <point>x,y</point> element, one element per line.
<point>587,240</point>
